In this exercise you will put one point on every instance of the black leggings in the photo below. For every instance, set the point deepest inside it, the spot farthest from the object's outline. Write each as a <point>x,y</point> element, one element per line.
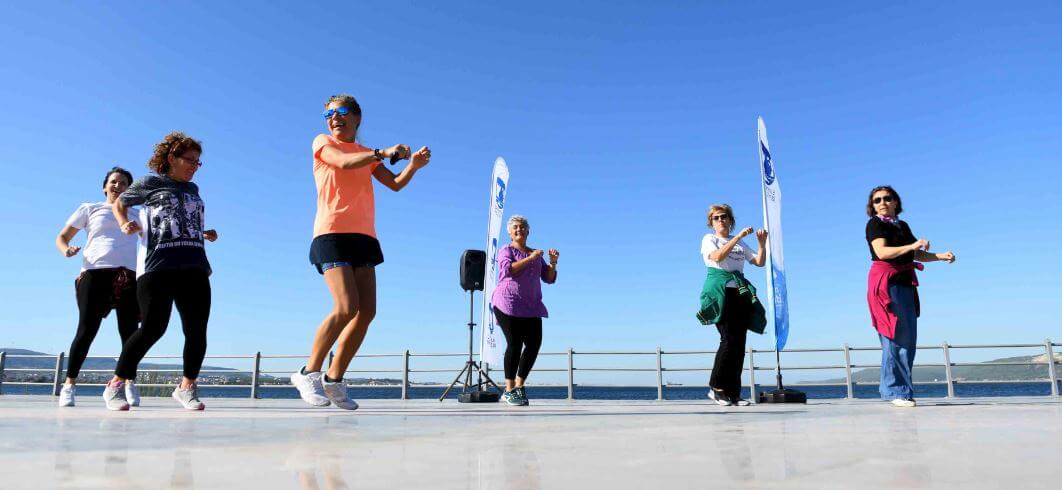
<point>729,360</point>
<point>157,292</point>
<point>521,334</point>
<point>99,291</point>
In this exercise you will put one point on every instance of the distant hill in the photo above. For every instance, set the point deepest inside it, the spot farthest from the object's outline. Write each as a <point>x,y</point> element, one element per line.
<point>47,364</point>
<point>90,363</point>
<point>964,373</point>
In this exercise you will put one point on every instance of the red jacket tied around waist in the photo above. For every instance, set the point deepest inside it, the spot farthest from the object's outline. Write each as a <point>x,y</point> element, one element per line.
<point>881,316</point>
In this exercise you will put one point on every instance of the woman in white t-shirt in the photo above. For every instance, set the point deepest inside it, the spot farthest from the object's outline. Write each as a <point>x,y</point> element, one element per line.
<point>734,308</point>
<point>107,280</point>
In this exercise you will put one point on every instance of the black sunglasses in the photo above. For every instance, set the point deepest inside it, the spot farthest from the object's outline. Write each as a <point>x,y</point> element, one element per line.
<point>877,200</point>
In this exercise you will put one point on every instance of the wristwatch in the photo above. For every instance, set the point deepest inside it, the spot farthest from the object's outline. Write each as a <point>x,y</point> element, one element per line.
<point>378,155</point>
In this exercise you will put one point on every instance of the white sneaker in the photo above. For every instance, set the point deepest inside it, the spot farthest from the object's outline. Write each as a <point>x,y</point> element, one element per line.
<point>310,389</point>
<point>719,398</point>
<point>189,398</point>
<point>114,396</point>
<point>66,395</point>
<point>132,393</point>
<point>337,394</point>
<point>900,402</point>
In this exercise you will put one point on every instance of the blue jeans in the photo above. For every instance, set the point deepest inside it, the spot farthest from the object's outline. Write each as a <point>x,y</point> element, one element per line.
<point>898,354</point>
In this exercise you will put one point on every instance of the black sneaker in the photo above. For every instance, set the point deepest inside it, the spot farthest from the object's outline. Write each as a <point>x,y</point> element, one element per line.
<point>521,395</point>
<point>719,398</point>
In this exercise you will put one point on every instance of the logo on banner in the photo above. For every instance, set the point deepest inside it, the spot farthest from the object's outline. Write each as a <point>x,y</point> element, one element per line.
<point>500,198</point>
<point>493,254</point>
<point>768,167</point>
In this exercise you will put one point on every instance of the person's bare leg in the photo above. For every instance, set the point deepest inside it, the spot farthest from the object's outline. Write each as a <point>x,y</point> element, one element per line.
<point>342,286</point>
<point>186,383</point>
<point>519,382</point>
<point>354,332</point>
<point>509,384</point>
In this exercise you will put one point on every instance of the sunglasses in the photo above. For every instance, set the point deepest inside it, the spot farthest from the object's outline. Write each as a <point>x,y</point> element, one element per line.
<point>197,163</point>
<point>341,110</point>
<point>878,200</point>
<point>720,217</point>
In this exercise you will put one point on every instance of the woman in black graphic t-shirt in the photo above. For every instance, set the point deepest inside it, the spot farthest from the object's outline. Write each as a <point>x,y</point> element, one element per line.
<point>172,265</point>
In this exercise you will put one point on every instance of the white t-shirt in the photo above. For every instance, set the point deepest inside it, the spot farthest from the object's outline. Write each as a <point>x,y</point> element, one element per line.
<point>106,246</point>
<point>734,261</point>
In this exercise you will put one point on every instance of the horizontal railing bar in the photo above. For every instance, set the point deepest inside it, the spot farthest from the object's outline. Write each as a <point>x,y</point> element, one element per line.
<point>994,346</point>
<point>615,353</point>
<point>1045,363</point>
<point>616,369</point>
<point>787,368</point>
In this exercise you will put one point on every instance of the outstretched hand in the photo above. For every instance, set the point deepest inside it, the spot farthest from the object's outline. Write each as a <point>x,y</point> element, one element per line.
<point>761,235</point>
<point>553,256</point>
<point>421,158</point>
<point>71,251</point>
<point>210,235</point>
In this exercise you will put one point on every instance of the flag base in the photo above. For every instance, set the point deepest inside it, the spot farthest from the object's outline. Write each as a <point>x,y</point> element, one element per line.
<point>783,395</point>
<point>478,397</point>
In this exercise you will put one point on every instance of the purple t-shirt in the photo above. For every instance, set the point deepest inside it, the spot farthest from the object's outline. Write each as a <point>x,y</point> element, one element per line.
<point>519,294</point>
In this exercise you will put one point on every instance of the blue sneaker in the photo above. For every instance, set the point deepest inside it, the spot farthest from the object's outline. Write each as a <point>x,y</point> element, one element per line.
<point>512,398</point>
<point>522,393</point>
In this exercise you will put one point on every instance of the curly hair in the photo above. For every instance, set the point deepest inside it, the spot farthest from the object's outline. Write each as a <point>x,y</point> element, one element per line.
<point>895,195</point>
<point>347,101</point>
<point>175,143</point>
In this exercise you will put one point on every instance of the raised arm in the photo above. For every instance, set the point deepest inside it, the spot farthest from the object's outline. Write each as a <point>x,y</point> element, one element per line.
<point>761,255</point>
<point>549,273</point>
<point>886,253</point>
<point>518,266</point>
<point>927,256</point>
<point>419,160</point>
<point>719,254</point>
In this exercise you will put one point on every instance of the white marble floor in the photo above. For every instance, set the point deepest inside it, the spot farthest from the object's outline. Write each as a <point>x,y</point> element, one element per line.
<point>239,443</point>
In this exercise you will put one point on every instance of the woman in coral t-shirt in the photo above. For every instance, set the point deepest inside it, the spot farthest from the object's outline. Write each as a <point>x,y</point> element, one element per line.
<point>345,249</point>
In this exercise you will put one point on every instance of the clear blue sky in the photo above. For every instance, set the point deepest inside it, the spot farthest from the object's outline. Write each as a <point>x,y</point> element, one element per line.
<point>620,124</point>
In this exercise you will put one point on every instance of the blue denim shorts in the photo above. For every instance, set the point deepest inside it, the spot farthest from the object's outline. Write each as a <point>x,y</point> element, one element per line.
<point>332,265</point>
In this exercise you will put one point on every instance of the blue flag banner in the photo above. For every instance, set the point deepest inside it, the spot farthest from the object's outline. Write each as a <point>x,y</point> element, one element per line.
<point>777,303</point>
<point>491,347</point>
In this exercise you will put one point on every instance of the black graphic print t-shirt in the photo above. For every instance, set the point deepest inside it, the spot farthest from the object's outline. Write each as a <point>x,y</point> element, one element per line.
<point>172,219</point>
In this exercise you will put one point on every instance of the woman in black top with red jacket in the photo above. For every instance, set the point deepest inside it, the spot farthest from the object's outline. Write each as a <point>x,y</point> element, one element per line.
<point>891,291</point>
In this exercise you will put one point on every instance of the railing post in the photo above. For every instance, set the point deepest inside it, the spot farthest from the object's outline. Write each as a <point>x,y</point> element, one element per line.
<point>254,374</point>
<point>405,375</point>
<point>659,374</point>
<point>1051,372</point>
<point>3,357</point>
<point>947,372</point>
<point>58,374</point>
<point>752,377</point>
<point>571,374</point>
<point>848,371</point>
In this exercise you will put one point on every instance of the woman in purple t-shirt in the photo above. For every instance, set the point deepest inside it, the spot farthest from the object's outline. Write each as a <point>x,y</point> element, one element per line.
<point>518,305</point>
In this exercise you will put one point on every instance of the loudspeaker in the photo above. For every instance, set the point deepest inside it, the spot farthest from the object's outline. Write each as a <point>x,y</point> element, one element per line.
<point>473,269</point>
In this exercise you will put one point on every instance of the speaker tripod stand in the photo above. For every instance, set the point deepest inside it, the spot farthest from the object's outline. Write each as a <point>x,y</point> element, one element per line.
<point>478,392</point>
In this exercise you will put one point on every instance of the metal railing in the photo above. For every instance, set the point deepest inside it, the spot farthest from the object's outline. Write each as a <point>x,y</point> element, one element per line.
<point>405,370</point>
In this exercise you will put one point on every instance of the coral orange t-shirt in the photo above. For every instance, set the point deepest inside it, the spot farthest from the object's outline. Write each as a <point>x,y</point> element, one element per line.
<point>345,202</point>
